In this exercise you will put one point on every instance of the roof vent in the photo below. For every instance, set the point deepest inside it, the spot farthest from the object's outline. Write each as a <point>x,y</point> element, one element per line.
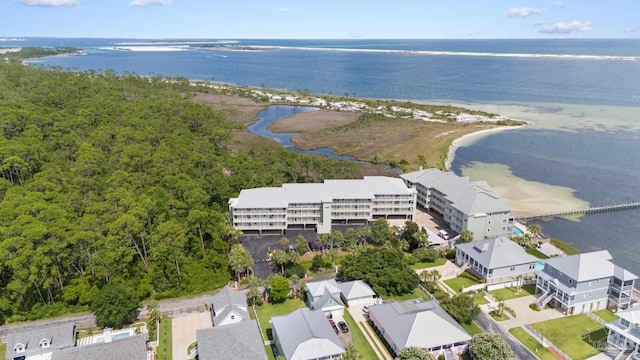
<point>485,247</point>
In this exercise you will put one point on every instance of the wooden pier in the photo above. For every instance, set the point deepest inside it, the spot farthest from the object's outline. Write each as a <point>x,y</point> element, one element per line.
<point>591,210</point>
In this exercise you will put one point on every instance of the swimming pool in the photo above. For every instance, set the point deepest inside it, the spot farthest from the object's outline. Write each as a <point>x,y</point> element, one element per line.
<point>120,335</point>
<point>516,231</point>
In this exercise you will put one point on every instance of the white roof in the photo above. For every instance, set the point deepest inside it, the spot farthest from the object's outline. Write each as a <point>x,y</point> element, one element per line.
<point>472,198</point>
<point>631,314</point>
<point>497,253</point>
<point>367,188</point>
<point>306,334</point>
<point>317,288</point>
<point>356,289</point>
<point>587,266</point>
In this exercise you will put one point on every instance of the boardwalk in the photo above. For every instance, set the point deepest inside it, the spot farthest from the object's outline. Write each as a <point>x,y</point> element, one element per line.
<point>592,210</point>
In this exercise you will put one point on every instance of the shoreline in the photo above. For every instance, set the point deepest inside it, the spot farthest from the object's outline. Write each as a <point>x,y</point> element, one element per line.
<point>455,144</point>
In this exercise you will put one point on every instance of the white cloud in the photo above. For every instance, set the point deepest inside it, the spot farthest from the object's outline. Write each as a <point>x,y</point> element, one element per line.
<point>630,30</point>
<point>50,3</point>
<point>558,4</point>
<point>523,12</point>
<point>149,2</point>
<point>565,27</point>
<point>282,10</point>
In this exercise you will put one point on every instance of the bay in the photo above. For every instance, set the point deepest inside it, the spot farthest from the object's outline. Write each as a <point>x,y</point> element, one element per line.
<point>583,112</point>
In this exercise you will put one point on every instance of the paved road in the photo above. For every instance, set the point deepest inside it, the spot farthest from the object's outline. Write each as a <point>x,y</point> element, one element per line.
<point>488,325</point>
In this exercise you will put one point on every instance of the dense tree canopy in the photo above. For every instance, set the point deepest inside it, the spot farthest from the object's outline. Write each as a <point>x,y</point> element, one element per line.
<point>115,305</point>
<point>120,178</point>
<point>383,269</point>
<point>415,353</point>
<point>487,346</point>
<point>462,307</point>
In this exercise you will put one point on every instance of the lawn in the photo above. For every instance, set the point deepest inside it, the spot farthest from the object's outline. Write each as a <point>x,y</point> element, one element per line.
<point>359,341</point>
<point>424,265</point>
<point>479,298</point>
<point>3,349</point>
<point>532,344</point>
<point>267,311</point>
<point>566,248</point>
<point>537,253</point>
<point>496,315</point>
<point>165,346</point>
<point>459,282</point>
<point>567,334</point>
<point>510,293</point>
<point>606,315</point>
<point>472,328</point>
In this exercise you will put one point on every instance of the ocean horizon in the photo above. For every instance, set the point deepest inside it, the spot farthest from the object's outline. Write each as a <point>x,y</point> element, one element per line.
<point>581,145</point>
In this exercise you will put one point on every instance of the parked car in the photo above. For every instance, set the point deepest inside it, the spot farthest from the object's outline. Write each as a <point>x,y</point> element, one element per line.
<point>333,325</point>
<point>365,308</point>
<point>343,326</point>
<point>314,246</point>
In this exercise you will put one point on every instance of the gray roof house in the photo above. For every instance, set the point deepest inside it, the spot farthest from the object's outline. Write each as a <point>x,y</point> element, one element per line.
<point>623,341</point>
<point>463,204</point>
<point>584,283</point>
<point>130,348</point>
<point>304,335</point>
<point>229,306</point>
<point>40,341</point>
<point>420,324</point>
<point>325,295</point>
<point>238,341</point>
<point>356,292</point>
<point>496,260</point>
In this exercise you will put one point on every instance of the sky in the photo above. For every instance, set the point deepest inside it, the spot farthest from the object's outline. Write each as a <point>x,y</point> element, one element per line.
<point>326,19</point>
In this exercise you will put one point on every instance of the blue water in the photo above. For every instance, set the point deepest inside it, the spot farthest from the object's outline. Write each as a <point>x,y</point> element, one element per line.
<point>603,167</point>
<point>276,112</point>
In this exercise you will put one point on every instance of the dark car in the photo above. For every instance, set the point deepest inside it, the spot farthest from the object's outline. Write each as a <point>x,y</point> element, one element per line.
<point>314,246</point>
<point>343,326</point>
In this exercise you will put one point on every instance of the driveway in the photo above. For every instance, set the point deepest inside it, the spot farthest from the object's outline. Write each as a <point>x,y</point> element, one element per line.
<point>524,314</point>
<point>519,350</point>
<point>184,330</point>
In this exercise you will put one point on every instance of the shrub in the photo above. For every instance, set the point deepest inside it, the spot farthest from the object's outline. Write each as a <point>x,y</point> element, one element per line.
<point>534,307</point>
<point>296,269</point>
<point>317,263</point>
<point>426,255</point>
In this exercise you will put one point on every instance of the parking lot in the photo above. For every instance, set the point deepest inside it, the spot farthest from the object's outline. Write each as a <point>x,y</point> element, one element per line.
<point>259,246</point>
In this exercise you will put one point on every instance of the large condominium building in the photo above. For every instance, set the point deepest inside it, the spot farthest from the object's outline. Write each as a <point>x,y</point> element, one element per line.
<point>464,204</point>
<point>309,206</point>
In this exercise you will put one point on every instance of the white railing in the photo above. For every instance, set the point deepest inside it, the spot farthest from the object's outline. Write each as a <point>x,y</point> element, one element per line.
<point>597,318</point>
<point>545,342</point>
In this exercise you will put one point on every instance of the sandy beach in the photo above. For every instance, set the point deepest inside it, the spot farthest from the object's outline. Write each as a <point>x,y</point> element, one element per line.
<point>470,138</point>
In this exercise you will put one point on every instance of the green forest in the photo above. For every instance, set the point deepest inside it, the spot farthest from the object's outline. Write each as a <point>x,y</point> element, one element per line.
<point>109,178</point>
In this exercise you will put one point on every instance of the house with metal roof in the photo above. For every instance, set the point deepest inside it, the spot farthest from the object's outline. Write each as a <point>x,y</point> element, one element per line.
<point>496,260</point>
<point>357,292</point>
<point>325,295</point>
<point>421,324</point>
<point>623,341</point>
<point>229,306</point>
<point>317,206</point>
<point>130,348</point>
<point>306,335</point>
<point>463,204</point>
<point>40,342</point>
<point>584,283</point>
<point>238,341</point>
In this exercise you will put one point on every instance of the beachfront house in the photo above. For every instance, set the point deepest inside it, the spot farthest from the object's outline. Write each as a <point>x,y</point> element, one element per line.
<point>496,260</point>
<point>463,204</point>
<point>584,283</point>
<point>421,324</point>
<point>318,206</point>
<point>305,335</point>
<point>623,341</point>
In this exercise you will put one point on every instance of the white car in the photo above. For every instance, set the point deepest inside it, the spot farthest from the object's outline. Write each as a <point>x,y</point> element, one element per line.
<point>365,308</point>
